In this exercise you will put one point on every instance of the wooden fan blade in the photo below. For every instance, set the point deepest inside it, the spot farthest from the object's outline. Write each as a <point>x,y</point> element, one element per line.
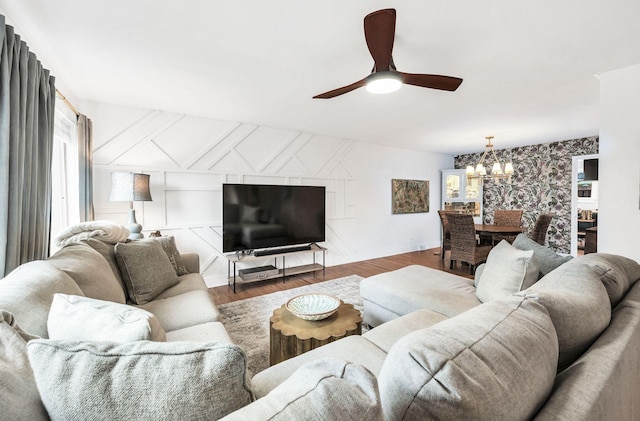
<point>342,90</point>
<point>379,31</point>
<point>445,83</point>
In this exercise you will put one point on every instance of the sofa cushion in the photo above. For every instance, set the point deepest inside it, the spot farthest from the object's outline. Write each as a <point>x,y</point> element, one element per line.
<point>351,348</point>
<point>169,246</point>
<point>326,389</point>
<point>416,287</point>
<point>578,305</point>
<point>19,398</point>
<point>387,334</point>
<point>507,271</point>
<point>495,361</point>
<point>547,258</point>
<point>203,332</point>
<point>28,290</point>
<point>139,380</point>
<point>81,318</point>
<point>617,273</point>
<point>146,269</point>
<point>183,310</point>
<point>91,271</point>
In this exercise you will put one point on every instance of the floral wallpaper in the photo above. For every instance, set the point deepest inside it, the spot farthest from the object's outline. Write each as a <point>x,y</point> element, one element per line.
<point>541,184</point>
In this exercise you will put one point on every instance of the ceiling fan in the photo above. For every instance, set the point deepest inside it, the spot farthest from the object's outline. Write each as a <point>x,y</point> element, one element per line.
<point>379,32</point>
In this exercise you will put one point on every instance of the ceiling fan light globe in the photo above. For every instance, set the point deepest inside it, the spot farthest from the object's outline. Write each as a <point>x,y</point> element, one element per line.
<point>383,82</point>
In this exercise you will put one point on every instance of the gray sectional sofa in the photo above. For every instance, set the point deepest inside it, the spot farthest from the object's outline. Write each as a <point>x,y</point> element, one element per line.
<point>565,347</point>
<point>506,345</point>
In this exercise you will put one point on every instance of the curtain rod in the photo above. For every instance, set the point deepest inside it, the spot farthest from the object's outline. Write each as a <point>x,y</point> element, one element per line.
<point>66,101</point>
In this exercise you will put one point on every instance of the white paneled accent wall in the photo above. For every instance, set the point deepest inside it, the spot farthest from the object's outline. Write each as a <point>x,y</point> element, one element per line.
<point>189,158</point>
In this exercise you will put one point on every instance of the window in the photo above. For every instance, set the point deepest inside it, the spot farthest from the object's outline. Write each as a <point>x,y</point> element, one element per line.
<point>64,172</point>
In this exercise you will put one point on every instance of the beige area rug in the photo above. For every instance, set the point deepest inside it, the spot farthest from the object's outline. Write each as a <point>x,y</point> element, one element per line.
<point>247,321</point>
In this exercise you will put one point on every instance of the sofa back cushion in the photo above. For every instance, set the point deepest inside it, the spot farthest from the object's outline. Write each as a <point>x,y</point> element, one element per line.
<point>82,318</point>
<point>617,273</point>
<point>139,380</point>
<point>91,272</point>
<point>494,361</point>
<point>107,251</point>
<point>28,290</point>
<point>578,305</point>
<point>507,271</point>
<point>19,398</point>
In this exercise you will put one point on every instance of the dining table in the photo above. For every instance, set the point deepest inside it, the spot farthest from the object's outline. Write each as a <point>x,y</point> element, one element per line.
<point>498,229</point>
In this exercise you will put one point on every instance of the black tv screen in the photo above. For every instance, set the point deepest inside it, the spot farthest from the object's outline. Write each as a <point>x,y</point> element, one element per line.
<point>256,216</point>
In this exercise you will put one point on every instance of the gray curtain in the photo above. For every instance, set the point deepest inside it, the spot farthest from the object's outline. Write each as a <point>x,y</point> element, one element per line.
<point>85,159</point>
<point>27,103</point>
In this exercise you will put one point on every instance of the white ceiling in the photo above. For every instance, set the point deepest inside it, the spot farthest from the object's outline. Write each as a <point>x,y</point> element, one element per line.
<point>529,67</point>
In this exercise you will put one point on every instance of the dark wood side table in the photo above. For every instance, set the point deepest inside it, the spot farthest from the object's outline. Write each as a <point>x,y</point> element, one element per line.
<point>591,240</point>
<point>290,335</point>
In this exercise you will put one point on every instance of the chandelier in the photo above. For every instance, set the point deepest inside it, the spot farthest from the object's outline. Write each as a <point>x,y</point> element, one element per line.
<point>498,171</point>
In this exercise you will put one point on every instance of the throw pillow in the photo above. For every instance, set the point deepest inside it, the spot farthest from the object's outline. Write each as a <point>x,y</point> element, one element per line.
<point>324,389</point>
<point>507,271</point>
<point>169,247</point>
<point>547,258</point>
<point>19,397</point>
<point>139,380</point>
<point>250,214</point>
<point>146,269</point>
<point>496,361</point>
<point>81,318</point>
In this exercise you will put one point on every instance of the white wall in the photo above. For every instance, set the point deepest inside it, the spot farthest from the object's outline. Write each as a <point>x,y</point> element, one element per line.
<point>619,172</point>
<point>189,158</point>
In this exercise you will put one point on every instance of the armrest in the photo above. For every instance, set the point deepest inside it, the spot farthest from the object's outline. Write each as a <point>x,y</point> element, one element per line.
<point>191,262</point>
<point>478,274</point>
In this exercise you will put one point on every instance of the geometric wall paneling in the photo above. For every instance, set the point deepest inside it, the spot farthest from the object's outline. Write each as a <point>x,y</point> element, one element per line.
<point>176,180</point>
<point>189,139</point>
<point>213,156</point>
<point>264,145</point>
<point>143,131</point>
<point>188,207</point>
<point>319,152</point>
<point>189,158</point>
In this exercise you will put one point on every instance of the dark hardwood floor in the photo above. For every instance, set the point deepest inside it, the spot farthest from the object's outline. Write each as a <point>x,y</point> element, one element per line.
<point>365,268</point>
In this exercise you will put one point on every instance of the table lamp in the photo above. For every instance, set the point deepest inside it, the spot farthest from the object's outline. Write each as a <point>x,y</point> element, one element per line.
<point>130,187</point>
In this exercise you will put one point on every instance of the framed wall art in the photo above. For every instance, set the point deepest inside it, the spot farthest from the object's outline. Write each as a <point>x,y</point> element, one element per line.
<point>409,196</point>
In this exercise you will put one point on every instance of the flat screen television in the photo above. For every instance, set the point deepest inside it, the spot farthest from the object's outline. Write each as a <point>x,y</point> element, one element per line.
<point>257,216</point>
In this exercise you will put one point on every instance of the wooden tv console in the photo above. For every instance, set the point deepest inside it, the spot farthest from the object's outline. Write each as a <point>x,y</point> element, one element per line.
<point>283,271</point>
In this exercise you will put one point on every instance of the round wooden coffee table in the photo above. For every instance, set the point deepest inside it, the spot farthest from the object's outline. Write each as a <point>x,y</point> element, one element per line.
<point>290,335</point>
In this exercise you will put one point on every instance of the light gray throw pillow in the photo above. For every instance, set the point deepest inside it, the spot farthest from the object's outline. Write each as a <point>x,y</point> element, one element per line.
<point>547,258</point>
<point>86,319</point>
<point>139,380</point>
<point>507,271</point>
<point>496,361</point>
<point>146,269</point>
<point>324,389</point>
<point>19,398</point>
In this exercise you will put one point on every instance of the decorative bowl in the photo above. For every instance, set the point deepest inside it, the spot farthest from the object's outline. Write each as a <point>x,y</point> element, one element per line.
<point>313,306</point>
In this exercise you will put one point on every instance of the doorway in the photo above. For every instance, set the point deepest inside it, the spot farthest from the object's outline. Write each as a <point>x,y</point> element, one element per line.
<point>584,200</point>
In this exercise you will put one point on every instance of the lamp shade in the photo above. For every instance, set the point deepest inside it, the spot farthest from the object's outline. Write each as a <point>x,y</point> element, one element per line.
<point>129,187</point>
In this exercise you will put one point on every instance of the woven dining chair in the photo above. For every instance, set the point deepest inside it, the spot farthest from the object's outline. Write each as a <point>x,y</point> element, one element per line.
<point>509,217</point>
<point>464,246</point>
<point>539,231</point>
<point>446,234</point>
